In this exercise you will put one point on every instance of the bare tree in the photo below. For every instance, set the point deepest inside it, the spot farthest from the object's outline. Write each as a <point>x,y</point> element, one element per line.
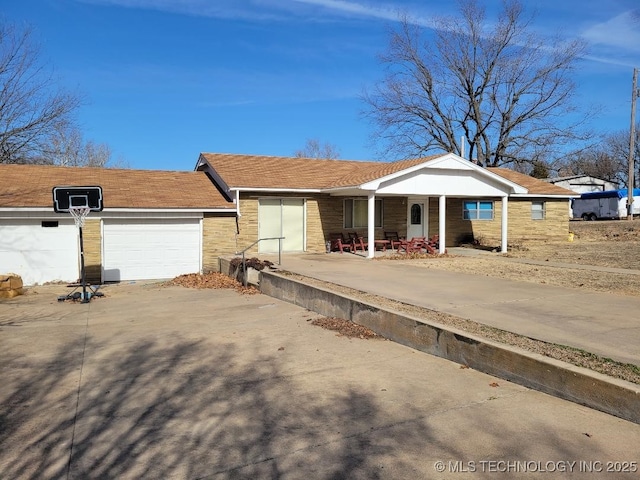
<point>507,91</point>
<point>32,109</point>
<point>69,149</point>
<point>321,151</point>
<point>609,160</point>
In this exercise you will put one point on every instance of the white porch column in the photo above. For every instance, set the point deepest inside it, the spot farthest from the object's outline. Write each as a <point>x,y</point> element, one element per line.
<point>442,222</point>
<point>504,224</point>
<point>371,225</point>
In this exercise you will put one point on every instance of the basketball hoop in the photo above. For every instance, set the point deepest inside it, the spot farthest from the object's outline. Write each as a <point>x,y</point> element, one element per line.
<point>79,214</point>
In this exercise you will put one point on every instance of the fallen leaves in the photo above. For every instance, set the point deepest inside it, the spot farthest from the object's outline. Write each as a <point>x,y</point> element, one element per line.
<point>346,328</point>
<point>213,280</point>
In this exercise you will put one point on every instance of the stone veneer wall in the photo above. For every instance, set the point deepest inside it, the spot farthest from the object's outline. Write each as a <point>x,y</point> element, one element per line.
<point>324,215</point>
<point>521,227</point>
<point>218,239</point>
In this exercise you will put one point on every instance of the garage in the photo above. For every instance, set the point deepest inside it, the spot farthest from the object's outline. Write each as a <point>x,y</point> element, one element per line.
<point>137,249</point>
<point>40,250</point>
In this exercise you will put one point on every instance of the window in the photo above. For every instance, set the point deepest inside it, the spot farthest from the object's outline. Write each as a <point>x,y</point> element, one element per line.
<point>537,210</point>
<point>356,211</point>
<point>416,214</point>
<point>477,210</point>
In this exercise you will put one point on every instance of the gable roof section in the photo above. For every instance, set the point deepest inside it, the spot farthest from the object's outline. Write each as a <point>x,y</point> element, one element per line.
<point>534,186</point>
<point>31,186</point>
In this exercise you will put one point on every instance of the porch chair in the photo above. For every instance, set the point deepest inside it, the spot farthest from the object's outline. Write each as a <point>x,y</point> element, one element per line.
<point>415,245</point>
<point>434,243</point>
<point>339,243</point>
<point>394,239</point>
<point>357,242</point>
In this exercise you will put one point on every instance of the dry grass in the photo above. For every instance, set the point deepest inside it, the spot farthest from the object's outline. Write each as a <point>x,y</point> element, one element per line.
<point>614,243</point>
<point>610,244</point>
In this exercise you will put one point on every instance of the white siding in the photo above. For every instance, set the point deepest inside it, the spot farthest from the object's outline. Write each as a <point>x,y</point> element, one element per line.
<point>39,254</point>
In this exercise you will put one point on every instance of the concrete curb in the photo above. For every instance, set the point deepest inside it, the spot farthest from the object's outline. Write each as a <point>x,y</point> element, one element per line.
<point>579,385</point>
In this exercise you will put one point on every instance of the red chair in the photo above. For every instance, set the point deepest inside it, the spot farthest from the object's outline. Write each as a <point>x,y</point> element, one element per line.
<point>339,243</point>
<point>394,239</point>
<point>415,245</point>
<point>434,243</point>
<point>357,242</point>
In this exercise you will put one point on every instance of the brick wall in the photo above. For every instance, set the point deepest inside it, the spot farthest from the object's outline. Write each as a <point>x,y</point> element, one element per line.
<point>218,239</point>
<point>331,209</point>
<point>456,227</point>
<point>248,223</point>
<point>325,216</point>
<point>521,227</point>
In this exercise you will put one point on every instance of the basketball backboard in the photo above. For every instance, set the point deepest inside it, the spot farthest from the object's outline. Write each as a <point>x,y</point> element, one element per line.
<point>65,197</point>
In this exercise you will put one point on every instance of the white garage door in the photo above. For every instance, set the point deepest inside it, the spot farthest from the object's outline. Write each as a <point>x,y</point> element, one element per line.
<point>40,250</point>
<point>150,249</point>
<point>281,218</point>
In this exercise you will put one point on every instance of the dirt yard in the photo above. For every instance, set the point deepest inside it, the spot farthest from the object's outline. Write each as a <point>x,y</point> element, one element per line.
<point>612,244</point>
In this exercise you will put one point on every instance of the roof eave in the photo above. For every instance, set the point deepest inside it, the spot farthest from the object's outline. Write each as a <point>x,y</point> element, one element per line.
<point>543,195</point>
<point>130,210</point>
<point>276,190</point>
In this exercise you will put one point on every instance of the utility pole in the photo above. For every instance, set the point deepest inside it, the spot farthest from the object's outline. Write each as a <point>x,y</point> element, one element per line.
<point>635,93</point>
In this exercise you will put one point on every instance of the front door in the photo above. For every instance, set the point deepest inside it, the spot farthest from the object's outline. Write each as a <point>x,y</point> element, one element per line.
<point>415,228</point>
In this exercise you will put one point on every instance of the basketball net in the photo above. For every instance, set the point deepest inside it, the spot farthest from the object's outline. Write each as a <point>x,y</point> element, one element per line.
<point>79,214</point>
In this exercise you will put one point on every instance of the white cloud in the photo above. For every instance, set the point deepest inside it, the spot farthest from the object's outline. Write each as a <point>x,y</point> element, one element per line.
<point>620,32</point>
<point>225,9</point>
<point>354,8</point>
<point>269,10</point>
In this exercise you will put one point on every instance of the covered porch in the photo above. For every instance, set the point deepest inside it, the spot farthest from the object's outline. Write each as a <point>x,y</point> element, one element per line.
<point>427,189</point>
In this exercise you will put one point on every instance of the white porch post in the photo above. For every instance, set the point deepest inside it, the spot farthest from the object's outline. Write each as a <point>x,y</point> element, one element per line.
<point>504,224</point>
<point>371,225</point>
<point>442,222</point>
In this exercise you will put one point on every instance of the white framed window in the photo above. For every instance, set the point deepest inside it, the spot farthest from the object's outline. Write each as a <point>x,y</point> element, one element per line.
<point>356,211</point>
<point>477,210</point>
<point>538,210</point>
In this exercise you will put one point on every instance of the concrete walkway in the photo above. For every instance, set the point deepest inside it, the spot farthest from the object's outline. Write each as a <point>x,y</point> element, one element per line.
<point>600,323</point>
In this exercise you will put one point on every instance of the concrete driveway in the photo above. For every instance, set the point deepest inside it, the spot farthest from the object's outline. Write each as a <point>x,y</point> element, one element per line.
<point>167,382</point>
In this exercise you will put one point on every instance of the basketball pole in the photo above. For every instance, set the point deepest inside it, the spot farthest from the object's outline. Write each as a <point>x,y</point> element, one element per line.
<point>83,282</point>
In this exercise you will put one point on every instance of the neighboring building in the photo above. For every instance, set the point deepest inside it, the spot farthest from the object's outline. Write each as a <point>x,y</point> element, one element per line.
<point>155,224</point>
<point>305,200</point>
<point>583,183</point>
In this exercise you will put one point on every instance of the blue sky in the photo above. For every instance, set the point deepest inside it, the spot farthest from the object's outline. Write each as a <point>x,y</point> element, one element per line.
<point>167,79</point>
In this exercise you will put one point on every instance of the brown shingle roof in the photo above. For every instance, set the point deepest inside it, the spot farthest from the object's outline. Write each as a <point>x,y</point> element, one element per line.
<point>254,171</point>
<point>534,185</point>
<point>31,186</point>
